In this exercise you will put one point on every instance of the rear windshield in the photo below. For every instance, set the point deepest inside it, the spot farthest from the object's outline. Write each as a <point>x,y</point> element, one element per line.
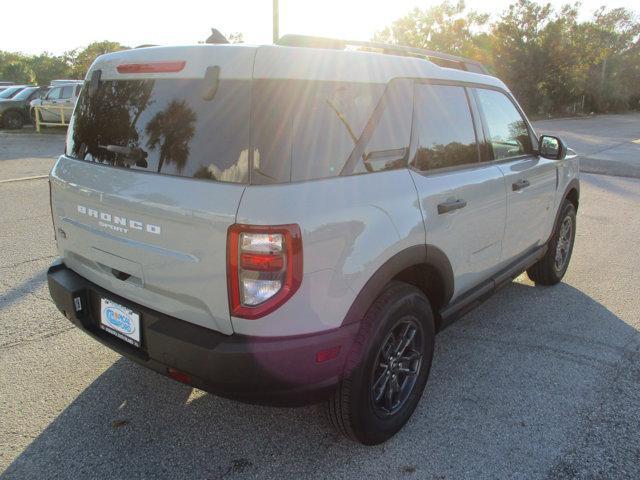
<point>165,126</point>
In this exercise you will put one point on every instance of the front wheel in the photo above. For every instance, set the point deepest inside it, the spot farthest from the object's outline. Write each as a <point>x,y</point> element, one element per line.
<point>13,120</point>
<point>387,368</point>
<point>551,268</point>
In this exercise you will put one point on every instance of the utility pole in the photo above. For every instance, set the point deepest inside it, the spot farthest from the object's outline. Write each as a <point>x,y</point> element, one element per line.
<point>276,28</point>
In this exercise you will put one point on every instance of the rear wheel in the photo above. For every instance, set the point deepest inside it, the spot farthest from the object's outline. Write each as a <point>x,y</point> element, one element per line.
<point>388,367</point>
<point>13,120</point>
<point>551,268</point>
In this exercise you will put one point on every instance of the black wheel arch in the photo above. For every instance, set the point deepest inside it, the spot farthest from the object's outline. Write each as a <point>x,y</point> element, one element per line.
<point>424,266</point>
<point>19,111</point>
<point>571,193</point>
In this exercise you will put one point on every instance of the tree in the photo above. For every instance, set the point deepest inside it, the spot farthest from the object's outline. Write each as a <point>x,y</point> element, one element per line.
<point>82,60</point>
<point>18,71</point>
<point>553,62</point>
<point>447,27</point>
<point>518,53</point>
<point>611,46</point>
<point>47,67</point>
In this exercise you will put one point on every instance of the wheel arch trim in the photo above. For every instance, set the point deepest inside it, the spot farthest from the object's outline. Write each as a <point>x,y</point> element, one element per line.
<point>574,184</point>
<point>415,256</point>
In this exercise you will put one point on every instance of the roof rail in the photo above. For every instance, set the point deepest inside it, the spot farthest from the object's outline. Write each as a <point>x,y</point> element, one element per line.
<point>443,59</point>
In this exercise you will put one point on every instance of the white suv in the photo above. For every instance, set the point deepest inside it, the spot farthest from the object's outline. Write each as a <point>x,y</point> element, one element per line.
<point>287,224</point>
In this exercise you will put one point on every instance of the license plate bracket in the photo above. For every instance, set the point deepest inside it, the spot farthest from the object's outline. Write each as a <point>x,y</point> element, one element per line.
<point>120,321</point>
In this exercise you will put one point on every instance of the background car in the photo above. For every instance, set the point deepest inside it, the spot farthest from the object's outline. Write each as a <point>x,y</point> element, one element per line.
<point>14,112</point>
<point>58,96</point>
<point>11,91</point>
<point>57,83</point>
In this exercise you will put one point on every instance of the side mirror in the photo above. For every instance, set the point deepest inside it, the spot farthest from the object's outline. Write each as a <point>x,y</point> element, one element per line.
<point>552,147</point>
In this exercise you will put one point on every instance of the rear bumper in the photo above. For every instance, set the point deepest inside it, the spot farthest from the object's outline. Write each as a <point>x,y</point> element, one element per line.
<point>274,371</point>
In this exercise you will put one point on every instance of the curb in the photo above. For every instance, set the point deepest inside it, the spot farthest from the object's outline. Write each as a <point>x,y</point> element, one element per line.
<point>609,167</point>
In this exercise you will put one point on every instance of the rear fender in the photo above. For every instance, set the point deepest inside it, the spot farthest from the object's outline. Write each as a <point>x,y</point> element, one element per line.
<point>418,255</point>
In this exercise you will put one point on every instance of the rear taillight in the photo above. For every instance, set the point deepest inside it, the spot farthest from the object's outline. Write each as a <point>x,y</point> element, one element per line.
<point>264,268</point>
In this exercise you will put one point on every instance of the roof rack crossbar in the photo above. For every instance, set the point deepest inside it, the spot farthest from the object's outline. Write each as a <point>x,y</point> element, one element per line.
<point>322,42</point>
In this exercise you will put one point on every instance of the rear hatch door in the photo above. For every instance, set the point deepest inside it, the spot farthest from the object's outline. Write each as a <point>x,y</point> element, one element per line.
<point>155,167</point>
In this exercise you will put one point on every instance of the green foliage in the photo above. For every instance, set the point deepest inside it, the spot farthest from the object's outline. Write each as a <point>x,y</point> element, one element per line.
<point>446,27</point>
<point>553,62</point>
<point>41,69</point>
<point>82,60</point>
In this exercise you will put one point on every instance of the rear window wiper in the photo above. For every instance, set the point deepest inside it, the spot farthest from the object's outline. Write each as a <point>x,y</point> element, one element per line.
<point>132,155</point>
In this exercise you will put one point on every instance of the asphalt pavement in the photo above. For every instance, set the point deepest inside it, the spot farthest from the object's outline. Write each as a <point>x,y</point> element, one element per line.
<point>607,144</point>
<point>535,383</point>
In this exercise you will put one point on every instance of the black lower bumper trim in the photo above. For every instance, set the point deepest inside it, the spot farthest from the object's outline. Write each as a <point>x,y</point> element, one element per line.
<point>273,371</point>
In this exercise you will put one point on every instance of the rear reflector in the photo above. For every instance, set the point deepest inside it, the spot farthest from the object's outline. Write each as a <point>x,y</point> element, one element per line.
<point>152,67</point>
<point>179,376</point>
<point>327,354</point>
<point>261,262</point>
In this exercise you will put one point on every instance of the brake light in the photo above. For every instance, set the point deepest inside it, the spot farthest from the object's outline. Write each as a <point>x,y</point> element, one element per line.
<point>151,67</point>
<point>264,268</point>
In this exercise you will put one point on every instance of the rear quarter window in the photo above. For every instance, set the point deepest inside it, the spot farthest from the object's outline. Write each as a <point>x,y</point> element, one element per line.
<point>305,130</point>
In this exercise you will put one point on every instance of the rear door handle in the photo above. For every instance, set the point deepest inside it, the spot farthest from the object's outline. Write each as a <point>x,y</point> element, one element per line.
<point>520,184</point>
<point>451,205</point>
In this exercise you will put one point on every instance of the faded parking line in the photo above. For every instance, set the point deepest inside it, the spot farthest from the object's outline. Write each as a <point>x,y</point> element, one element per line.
<point>37,177</point>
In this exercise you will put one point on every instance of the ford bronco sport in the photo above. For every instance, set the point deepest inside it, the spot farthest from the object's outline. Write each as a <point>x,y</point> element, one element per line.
<point>293,223</point>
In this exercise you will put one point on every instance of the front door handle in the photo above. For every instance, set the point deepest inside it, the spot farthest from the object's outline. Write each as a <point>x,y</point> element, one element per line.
<point>451,205</point>
<point>520,184</point>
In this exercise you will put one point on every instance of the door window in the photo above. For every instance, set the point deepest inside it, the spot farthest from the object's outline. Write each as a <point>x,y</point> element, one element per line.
<point>444,127</point>
<point>67,92</point>
<point>54,94</point>
<point>508,133</point>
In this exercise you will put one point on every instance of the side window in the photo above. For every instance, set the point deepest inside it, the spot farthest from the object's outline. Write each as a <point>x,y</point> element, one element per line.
<point>78,87</point>
<point>444,127</point>
<point>304,130</point>
<point>54,94</point>
<point>388,147</point>
<point>508,133</point>
<point>67,92</point>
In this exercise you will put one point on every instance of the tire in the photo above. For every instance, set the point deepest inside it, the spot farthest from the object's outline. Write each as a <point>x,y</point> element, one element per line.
<point>551,268</point>
<point>354,409</point>
<point>13,120</point>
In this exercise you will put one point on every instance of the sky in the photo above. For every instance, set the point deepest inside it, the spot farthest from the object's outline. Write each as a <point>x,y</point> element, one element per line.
<point>182,22</point>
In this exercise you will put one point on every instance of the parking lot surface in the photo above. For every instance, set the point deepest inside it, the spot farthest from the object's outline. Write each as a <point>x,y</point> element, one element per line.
<point>535,383</point>
<point>607,144</point>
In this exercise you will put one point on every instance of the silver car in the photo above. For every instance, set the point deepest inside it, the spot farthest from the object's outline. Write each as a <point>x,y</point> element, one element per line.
<point>58,103</point>
<point>287,224</point>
